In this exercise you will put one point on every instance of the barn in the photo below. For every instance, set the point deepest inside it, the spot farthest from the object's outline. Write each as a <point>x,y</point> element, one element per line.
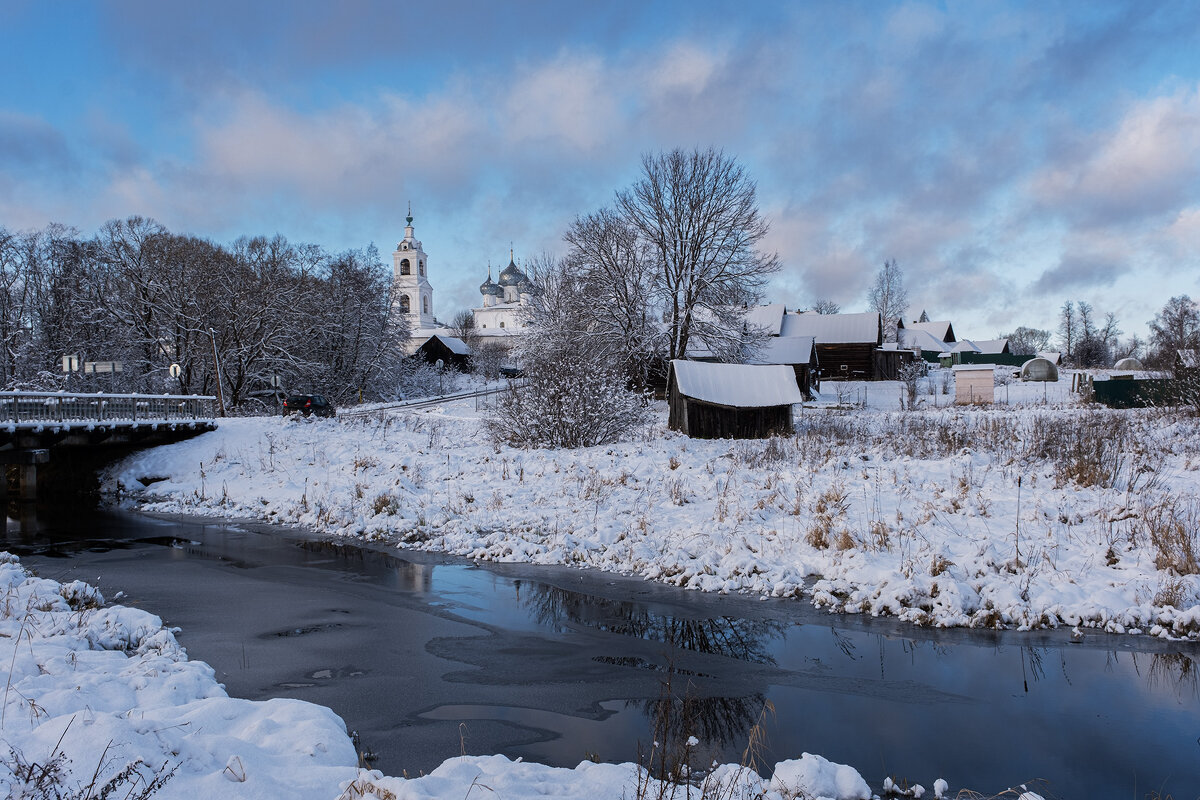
<point>846,343</point>
<point>731,401</point>
<point>450,350</point>
<point>797,352</point>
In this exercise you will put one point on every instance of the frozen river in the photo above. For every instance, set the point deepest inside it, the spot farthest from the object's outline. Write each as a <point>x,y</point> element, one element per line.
<point>427,657</point>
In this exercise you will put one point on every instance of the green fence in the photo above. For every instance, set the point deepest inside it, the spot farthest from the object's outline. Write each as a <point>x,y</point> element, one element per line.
<point>1141,393</point>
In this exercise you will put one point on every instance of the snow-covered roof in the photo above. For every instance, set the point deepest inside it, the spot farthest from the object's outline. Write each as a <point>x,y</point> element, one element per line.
<point>786,350</point>
<point>833,328</point>
<point>990,346</point>
<point>920,339</point>
<point>972,367</point>
<point>737,385</point>
<point>1052,356</point>
<point>940,330</point>
<point>768,317</point>
<point>1190,359</point>
<point>965,346</point>
<point>454,344</point>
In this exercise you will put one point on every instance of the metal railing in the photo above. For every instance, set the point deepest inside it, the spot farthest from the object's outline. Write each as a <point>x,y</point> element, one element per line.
<point>59,407</point>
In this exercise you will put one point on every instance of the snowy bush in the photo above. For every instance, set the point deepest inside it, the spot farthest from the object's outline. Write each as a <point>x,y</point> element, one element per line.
<point>566,403</point>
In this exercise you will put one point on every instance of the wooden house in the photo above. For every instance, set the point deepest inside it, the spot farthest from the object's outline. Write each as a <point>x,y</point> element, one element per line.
<point>737,401</point>
<point>797,352</point>
<point>450,350</point>
<point>846,343</point>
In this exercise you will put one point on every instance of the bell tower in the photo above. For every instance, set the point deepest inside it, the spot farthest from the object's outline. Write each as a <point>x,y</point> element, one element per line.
<point>410,267</point>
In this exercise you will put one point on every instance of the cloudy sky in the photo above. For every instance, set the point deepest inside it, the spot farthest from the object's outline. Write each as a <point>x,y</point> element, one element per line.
<point>1010,156</point>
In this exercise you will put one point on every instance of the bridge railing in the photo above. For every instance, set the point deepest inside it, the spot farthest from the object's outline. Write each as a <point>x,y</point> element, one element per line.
<point>50,407</point>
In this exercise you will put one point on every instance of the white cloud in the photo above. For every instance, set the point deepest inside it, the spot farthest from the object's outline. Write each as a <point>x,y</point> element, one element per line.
<point>1143,167</point>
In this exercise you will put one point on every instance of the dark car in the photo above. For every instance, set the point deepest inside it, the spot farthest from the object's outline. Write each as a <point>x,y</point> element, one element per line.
<point>308,404</point>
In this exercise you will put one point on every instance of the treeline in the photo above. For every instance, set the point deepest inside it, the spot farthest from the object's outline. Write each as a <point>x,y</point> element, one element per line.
<point>138,294</point>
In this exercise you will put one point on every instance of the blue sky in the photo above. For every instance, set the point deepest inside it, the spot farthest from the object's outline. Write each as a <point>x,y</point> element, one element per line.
<point>1010,156</point>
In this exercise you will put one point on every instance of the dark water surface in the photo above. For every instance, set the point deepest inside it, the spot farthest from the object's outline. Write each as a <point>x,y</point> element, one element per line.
<point>428,657</point>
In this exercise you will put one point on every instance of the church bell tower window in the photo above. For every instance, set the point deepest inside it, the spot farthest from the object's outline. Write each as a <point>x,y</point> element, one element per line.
<point>405,267</point>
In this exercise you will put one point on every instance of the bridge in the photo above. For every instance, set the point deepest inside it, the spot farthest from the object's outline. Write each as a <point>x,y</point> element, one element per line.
<point>35,425</point>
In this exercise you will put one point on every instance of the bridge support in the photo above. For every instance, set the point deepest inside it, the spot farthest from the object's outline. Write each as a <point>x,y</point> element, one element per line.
<point>26,462</point>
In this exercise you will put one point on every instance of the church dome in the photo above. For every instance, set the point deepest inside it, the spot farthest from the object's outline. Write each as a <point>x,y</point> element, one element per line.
<point>489,287</point>
<point>511,276</point>
<point>527,286</point>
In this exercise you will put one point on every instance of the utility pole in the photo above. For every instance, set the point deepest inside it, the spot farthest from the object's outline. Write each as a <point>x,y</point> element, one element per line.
<point>217,371</point>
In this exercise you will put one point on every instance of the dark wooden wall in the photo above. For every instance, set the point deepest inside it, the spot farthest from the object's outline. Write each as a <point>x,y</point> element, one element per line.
<point>858,358</point>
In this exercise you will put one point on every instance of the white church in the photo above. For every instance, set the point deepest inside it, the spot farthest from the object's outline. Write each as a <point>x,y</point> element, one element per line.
<point>498,318</point>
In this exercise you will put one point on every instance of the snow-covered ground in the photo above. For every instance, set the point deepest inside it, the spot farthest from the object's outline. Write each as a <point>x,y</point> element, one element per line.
<point>1026,514</point>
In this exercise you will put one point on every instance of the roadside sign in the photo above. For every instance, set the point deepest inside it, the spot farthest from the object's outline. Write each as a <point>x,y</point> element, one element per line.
<point>101,367</point>
<point>70,363</point>
<point>175,370</point>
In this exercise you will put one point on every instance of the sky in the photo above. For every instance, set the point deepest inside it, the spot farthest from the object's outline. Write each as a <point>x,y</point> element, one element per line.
<point>1009,156</point>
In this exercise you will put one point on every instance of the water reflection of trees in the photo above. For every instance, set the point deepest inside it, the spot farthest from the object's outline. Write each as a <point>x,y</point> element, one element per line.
<point>731,637</point>
<point>681,709</point>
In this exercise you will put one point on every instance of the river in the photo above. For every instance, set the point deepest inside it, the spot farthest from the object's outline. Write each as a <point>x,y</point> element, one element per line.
<point>427,657</point>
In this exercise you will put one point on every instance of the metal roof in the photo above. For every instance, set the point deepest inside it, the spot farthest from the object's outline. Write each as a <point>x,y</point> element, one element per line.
<point>769,317</point>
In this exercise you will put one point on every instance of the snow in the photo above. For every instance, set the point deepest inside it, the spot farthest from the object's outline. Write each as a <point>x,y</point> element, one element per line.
<point>833,328</point>
<point>738,385</point>
<point>941,516</point>
<point>786,350</point>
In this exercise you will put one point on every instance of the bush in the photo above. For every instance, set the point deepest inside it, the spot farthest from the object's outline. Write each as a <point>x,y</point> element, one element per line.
<point>567,403</point>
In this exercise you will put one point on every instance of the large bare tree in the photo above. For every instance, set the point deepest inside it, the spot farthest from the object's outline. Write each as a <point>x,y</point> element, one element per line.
<point>698,214</point>
<point>889,297</point>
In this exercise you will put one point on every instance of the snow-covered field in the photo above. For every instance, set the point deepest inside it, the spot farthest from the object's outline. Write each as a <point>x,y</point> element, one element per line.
<point>1036,512</point>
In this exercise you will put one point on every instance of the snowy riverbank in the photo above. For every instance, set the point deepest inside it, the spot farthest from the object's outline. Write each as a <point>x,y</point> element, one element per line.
<point>1017,516</point>
<point>102,695</point>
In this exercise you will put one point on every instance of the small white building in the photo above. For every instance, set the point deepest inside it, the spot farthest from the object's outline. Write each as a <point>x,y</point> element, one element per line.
<point>974,383</point>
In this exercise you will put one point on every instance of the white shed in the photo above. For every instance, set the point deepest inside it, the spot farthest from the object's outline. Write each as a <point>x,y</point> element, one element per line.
<point>974,383</point>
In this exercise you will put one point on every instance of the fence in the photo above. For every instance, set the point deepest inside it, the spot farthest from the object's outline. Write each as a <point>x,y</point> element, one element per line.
<point>48,407</point>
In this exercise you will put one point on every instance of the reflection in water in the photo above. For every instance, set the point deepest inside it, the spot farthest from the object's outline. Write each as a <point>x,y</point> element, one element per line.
<point>680,711</point>
<point>1174,671</point>
<point>731,637</point>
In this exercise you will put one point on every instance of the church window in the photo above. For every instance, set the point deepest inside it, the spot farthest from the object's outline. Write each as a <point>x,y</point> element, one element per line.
<point>425,304</point>
<point>420,267</point>
<point>404,303</point>
<point>405,267</point>
<point>501,324</point>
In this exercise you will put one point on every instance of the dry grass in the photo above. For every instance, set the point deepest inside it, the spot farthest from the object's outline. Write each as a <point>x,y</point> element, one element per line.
<point>1172,526</point>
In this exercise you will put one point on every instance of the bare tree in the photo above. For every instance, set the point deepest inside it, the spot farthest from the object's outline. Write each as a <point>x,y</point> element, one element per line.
<point>616,273</point>
<point>1175,327</point>
<point>826,307</point>
<point>1067,329</point>
<point>1027,341</point>
<point>698,214</point>
<point>889,297</point>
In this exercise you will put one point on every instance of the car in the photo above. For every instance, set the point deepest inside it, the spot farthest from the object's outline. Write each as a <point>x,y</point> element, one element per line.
<point>308,404</point>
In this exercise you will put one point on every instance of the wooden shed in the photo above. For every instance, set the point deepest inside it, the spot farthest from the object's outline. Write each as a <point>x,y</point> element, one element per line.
<point>846,343</point>
<point>735,401</point>
<point>890,360</point>
<point>797,352</point>
<point>974,383</point>
<point>450,350</point>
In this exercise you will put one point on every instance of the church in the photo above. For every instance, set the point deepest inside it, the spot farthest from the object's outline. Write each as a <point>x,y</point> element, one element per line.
<point>499,317</point>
